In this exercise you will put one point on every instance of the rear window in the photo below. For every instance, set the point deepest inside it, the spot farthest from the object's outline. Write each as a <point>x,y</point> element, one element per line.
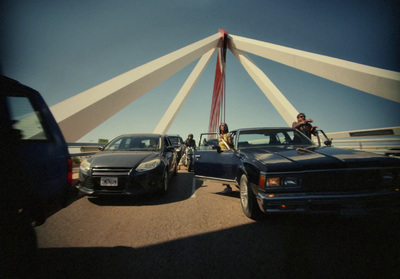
<point>26,120</point>
<point>175,140</point>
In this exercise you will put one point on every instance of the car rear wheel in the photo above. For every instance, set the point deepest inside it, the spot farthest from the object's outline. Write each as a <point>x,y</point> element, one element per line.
<point>248,200</point>
<point>18,246</point>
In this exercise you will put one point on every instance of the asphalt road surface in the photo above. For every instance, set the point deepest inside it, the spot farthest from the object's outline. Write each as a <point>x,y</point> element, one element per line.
<point>195,232</point>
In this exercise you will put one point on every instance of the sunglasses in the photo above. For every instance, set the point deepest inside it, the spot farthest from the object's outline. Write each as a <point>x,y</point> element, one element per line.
<point>301,116</point>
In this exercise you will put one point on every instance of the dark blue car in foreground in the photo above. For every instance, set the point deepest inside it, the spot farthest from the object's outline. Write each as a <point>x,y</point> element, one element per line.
<point>35,174</point>
<point>279,170</point>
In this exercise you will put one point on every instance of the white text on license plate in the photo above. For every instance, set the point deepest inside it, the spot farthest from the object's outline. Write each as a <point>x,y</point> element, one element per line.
<point>109,181</point>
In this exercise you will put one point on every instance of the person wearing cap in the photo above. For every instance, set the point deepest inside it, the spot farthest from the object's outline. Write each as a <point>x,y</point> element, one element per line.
<point>303,125</point>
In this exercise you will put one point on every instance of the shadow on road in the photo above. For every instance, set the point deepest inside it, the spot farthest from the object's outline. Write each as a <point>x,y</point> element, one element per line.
<point>179,190</point>
<point>284,247</point>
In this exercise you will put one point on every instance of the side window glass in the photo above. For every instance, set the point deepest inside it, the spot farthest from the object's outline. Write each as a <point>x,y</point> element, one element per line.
<point>166,142</point>
<point>234,138</point>
<point>114,145</point>
<point>27,122</point>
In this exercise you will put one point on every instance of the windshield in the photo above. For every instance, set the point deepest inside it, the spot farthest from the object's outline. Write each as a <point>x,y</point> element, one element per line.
<point>208,139</point>
<point>134,143</point>
<point>267,137</point>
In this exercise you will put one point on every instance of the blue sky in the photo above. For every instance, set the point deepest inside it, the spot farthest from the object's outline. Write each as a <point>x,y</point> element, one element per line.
<point>62,48</point>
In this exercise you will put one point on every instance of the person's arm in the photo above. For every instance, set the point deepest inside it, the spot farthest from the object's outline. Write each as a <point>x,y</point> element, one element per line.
<point>298,124</point>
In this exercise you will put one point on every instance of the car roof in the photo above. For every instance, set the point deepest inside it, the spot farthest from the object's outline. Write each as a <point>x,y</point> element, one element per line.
<point>140,135</point>
<point>264,128</point>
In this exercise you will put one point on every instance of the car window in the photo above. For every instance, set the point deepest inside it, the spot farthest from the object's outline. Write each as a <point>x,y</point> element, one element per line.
<point>208,139</point>
<point>27,121</point>
<point>167,142</point>
<point>262,138</point>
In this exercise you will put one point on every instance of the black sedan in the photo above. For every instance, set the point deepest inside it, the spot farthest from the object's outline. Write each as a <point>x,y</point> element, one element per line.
<point>280,170</point>
<point>128,165</point>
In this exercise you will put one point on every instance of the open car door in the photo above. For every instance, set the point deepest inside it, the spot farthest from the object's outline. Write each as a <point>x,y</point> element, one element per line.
<point>216,164</point>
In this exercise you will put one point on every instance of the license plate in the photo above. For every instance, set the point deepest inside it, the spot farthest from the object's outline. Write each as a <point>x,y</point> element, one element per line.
<point>109,181</point>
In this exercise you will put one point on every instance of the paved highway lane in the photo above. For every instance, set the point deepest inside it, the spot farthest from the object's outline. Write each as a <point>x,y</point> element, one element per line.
<point>206,235</point>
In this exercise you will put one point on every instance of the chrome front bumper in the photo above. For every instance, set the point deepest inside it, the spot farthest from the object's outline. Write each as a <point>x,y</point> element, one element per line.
<point>342,203</point>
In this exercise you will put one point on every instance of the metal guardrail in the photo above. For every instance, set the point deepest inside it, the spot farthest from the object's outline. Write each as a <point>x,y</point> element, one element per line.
<point>384,141</point>
<point>85,149</point>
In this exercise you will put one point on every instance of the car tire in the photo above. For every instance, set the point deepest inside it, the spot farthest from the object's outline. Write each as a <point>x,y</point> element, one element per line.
<point>248,200</point>
<point>190,165</point>
<point>175,170</point>
<point>165,182</point>
<point>18,246</point>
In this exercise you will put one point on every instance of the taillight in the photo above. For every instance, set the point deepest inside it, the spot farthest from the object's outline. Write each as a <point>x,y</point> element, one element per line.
<point>69,162</point>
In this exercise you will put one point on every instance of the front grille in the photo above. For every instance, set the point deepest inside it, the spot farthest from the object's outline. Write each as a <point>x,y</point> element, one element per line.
<point>121,173</point>
<point>347,180</point>
<point>111,171</point>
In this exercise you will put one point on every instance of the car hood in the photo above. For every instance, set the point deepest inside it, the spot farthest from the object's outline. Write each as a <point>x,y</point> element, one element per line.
<point>297,159</point>
<point>121,159</point>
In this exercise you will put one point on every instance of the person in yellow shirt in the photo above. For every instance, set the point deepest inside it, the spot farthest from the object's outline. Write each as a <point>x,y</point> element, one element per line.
<point>225,138</point>
<point>225,143</point>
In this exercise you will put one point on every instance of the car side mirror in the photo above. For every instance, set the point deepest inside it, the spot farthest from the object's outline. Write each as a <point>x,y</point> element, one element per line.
<point>328,142</point>
<point>217,147</point>
<point>170,149</point>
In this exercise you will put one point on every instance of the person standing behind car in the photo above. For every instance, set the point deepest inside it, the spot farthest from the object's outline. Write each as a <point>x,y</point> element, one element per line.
<point>304,126</point>
<point>225,138</point>
<point>189,142</point>
<point>225,142</point>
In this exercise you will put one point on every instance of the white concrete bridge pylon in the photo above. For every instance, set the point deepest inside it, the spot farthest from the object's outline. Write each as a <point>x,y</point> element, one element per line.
<point>82,113</point>
<point>176,105</point>
<point>277,99</point>
<point>379,82</point>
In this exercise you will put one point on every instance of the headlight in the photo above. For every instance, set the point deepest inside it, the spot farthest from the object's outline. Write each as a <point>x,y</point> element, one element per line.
<point>390,178</point>
<point>291,182</point>
<point>84,167</point>
<point>286,182</point>
<point>273,182</point>
<point>148,165</point>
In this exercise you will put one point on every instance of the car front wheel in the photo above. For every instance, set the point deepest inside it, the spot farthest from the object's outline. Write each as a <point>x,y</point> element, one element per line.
<point>165,182</point>
<point>248,200</point>
<point>190,165</point>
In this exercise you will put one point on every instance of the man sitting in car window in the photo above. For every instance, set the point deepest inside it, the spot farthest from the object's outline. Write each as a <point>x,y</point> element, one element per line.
<point>304,126</point>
